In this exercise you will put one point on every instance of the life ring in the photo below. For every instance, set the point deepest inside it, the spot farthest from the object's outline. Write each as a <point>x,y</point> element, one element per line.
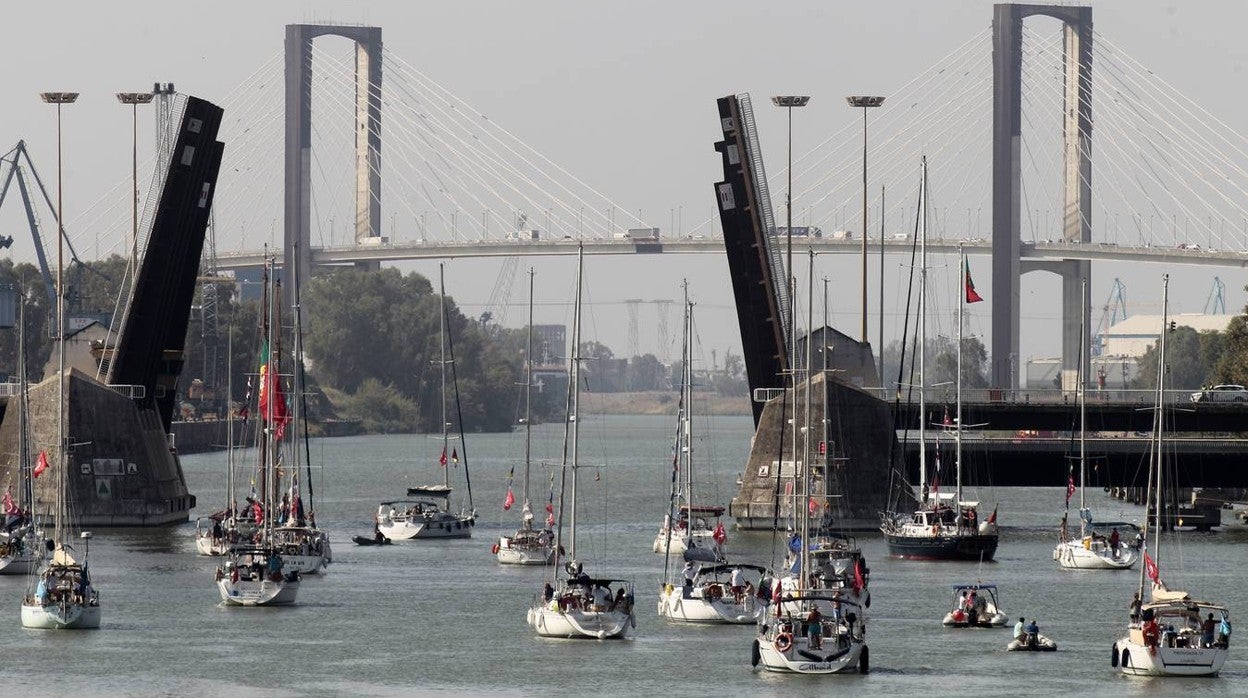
<point>714,591</point>
<point>494,549</point>
<point>784,642</point>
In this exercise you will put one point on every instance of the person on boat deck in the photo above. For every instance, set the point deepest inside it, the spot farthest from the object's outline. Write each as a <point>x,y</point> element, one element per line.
<point>548,592</point>
<point>602,597</point>
<point>1020,633</point>
<point>690,573</point>
<point>1224,631</point>
<point>1063,531</point>
<point>980,603</point>
<point>41,591</point>
<point>283,509</point>
<point>1208,628</point>
<point>1135,607</point>
<point>1033,632</point>
<point>814,627</point>
<point>837,614</point>
<point>621,601</point>
<point>1151,632</point>
<point>1114,538</point>
<point>736,584</point>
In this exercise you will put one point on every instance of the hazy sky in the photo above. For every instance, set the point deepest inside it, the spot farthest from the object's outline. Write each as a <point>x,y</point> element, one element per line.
<point>621,94</point>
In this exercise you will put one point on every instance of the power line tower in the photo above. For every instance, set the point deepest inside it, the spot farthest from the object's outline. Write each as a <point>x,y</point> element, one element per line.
<point>634,341</point>
<point>664,309</point>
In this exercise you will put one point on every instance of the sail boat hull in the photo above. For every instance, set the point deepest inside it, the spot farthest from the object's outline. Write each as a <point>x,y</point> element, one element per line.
<point>972,547</point>
<point>257,592</point>
<point>61,616</point>
<point>1073,555</point>
<point>21,563</point>
<point>570,624</point>
<point>526,547</point>
<point>1136,659</point>
<point>722,610</point>
<point>832,657</point>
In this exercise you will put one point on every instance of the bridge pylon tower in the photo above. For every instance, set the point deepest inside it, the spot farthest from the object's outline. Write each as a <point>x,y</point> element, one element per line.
<point>298,181</point>
<point>1007,265</point>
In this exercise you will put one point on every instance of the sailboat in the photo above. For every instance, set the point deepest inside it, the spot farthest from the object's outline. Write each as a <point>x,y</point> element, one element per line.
<point>215,533</point>
<point>1090,550</point>
<point>304,547</point>
<point>577,605</point>
<point>427,514</point>
<point>708,593</point>
<point>528,545</point>
<point>687,524</point>
<point>1170,634</point>
<point>254,573</point>
<point>817,625</point>
<point>944,527</point>
<point>20,538</point>
<point>63,597</point>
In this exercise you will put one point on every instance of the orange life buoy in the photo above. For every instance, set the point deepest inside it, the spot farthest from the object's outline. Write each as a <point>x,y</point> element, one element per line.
<point>494,549</point>
<point>784,642</point>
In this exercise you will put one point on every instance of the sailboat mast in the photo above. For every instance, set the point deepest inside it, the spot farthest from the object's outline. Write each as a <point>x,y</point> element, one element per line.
<point>576,391</point>
<point>446,434</point>
<point>1160,416</point>
<point>810,341</point>
<point>1083,409</point>
<point>923,339</point>
<point>687,398</point>
<point>528,400</point>
<point>27,495</point>
<point>957,427</point>
<point>229,425</point>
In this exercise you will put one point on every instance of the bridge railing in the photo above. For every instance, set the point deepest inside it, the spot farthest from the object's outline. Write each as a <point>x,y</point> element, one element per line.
<point>1027,396</point>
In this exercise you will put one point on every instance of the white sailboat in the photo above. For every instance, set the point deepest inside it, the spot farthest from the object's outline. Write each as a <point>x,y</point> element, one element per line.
<point>687,523</point>
<point>529,545</point>
<point>816,625</point>
<point>1091,550</point>
<point>945,527</point>
<point>1170,634</point>
<point>20,538</point>
<point>427,513</point>
<point>578,606</point>
<point>215,533</point>
<point>304,547</point>
<point>254,574</point>
<point>701,593</point>
<point>63,597</point>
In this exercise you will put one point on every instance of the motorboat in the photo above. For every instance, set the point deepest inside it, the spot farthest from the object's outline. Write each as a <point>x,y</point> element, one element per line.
<point>974,606</point>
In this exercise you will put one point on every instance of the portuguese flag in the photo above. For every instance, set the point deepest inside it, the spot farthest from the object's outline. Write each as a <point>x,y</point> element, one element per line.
<point>271,390</point>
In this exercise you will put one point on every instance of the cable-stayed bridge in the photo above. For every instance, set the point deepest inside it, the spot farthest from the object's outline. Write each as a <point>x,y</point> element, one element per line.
<point>358,157</point>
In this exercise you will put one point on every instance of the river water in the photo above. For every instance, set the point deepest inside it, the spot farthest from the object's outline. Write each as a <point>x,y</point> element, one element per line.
<point>445,617</point>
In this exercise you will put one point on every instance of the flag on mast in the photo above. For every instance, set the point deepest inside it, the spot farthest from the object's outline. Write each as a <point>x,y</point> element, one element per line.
<point>971,295</point>
<point>41,464</point>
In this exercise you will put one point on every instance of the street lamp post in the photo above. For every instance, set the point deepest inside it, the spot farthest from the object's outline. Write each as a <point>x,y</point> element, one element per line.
<point>788,102</point>
<point>865,102</point>
<point>59,99</point>
<point>134,99</point>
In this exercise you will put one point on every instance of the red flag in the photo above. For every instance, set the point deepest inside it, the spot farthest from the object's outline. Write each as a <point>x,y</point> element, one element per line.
<point>1150,569</point>
<point>10,507</point>
<point>948,420</point>
<point>41,464</point>
<point>550,514</point>
<point>257,512</point>
<point>971,295</point>
<point>812,506</point>
<point>992,519</point>
<point>455,456</point>
<point>1070,487</point>
<point>859,580</point>
<point>511,499</point>
<point>442,460</point>
<point>720,535</point>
